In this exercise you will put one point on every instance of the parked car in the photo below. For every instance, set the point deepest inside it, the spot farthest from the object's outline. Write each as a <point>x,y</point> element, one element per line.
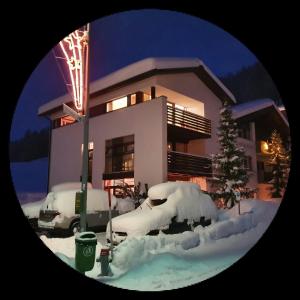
<point>171,207</point>
<point>57,213</point>
<point>31,210</point>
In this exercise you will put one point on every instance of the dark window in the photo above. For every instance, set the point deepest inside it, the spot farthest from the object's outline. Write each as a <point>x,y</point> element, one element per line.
<point>244,131</point>
<point>119,154</point>
<point>90,166</point>
<point>248,163</point>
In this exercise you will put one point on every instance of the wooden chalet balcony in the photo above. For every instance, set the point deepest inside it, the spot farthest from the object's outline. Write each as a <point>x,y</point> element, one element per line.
<point>183,163</point>
<point>187,125</point>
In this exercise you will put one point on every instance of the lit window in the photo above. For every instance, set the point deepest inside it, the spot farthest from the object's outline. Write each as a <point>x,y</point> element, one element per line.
<point>179,106</point>
<point>132,99</point>
<point>66,120</point>
<point>116,104</point>
<point>264,147</point>
<point>146,97</point>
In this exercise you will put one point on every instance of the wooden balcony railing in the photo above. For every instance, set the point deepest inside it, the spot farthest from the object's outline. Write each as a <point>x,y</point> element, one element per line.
<point>184,163</point>
<point>185,119</point>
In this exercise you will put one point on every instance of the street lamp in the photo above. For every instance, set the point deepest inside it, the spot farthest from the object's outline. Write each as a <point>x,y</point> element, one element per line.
<point>76,50</point>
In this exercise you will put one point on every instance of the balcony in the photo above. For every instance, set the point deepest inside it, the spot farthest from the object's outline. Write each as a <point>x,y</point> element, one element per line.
<point>183,163</point>
<point>186,126</point>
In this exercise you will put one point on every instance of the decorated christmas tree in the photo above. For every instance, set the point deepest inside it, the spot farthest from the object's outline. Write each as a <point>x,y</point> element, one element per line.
<point>280,160</point>
<point>230,171</point>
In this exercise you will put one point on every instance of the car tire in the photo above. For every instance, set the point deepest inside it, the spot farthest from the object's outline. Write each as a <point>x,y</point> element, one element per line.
<point>75,227</point>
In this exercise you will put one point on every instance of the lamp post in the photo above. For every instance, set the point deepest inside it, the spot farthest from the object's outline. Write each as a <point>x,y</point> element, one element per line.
<point>85,152</point>
<point>76,50</point>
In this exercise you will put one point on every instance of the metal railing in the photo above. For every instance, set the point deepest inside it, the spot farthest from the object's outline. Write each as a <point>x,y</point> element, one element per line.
<point>181,118</point>
<point>184,163</point>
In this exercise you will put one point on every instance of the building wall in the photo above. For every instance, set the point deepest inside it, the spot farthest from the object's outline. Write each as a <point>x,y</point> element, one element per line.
<point>191,86</point>
<point>65,155</point>
<point>196,147</point>
<point>250,150</point>
<point>126,90</point>
<point>147,121</point>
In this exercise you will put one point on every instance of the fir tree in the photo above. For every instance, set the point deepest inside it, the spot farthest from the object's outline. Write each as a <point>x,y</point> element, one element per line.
<point>280,160</point>
<point>231,174</point>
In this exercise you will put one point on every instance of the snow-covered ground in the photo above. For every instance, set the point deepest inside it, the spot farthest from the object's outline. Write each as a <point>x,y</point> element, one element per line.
<point>173,261</point>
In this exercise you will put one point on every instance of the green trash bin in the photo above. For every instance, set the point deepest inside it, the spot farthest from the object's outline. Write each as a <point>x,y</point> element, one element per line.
<point>85,251</point>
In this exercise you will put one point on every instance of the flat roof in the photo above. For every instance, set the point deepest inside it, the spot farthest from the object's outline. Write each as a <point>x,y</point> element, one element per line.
<point>146,68</point>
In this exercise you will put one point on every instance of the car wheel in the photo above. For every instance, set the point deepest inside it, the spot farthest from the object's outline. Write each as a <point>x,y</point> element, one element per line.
<point>75,227</point>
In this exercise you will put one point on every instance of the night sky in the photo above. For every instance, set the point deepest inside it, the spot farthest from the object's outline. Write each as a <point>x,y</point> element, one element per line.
<point>124,38</point>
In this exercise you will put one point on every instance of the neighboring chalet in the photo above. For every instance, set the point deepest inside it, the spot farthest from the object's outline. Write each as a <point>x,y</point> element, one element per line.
<point>256,120</point>
<point>153,121</point>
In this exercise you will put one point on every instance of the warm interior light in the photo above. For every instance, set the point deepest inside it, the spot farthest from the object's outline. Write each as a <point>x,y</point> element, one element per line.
<point>264,147</point>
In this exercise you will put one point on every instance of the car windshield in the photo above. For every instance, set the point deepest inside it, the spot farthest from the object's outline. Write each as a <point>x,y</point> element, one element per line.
<point>156,202</point>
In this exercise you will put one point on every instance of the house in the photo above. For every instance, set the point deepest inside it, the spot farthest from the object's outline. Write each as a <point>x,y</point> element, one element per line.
<point>256,121</point>
<point>152,121</point>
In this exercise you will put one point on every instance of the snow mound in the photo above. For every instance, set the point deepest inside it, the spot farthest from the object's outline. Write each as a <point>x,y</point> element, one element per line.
<point>32,210</point>
<point>64,201</point>
<point>146,247</point>
<point>68,186</point>
<point>164,190</point>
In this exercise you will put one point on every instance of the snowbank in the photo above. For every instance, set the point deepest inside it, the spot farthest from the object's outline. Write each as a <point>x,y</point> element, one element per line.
<point>64,201</point>
<point>137,250</point>
<point>32,210</point>
<point>173,261</point>
<point>28,197</point>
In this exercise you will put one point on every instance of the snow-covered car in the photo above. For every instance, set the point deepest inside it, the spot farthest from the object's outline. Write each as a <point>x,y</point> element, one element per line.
<point>31,210</point>
<point>171,207</point>
<point>58,210</point>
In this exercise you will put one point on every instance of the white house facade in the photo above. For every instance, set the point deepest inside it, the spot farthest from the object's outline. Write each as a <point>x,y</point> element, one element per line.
<point>150,122</point>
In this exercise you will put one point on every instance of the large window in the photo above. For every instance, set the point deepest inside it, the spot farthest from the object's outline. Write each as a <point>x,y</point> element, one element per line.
<point>119,154</point>
<point>116,104</point>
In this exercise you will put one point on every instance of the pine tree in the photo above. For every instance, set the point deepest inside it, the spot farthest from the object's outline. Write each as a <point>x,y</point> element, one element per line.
<point>280,160</point>
<point>231,174</point>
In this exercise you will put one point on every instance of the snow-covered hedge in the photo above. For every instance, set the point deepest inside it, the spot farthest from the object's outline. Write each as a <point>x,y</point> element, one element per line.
<point>137,250</point>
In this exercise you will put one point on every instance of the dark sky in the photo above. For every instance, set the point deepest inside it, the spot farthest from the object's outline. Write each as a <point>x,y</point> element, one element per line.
<point>124,38</point>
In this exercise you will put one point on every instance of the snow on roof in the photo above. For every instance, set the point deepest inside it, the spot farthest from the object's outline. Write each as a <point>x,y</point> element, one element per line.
<point>243,109</point>
<point>138,68</point>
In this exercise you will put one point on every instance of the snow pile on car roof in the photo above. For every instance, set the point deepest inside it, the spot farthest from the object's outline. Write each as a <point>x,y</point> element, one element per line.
<point>191,204</point>
<point>185,201</point>
<point>32,209</point>
<point>164,190</point>
<point>64,201</point>
<point>65,186</point>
